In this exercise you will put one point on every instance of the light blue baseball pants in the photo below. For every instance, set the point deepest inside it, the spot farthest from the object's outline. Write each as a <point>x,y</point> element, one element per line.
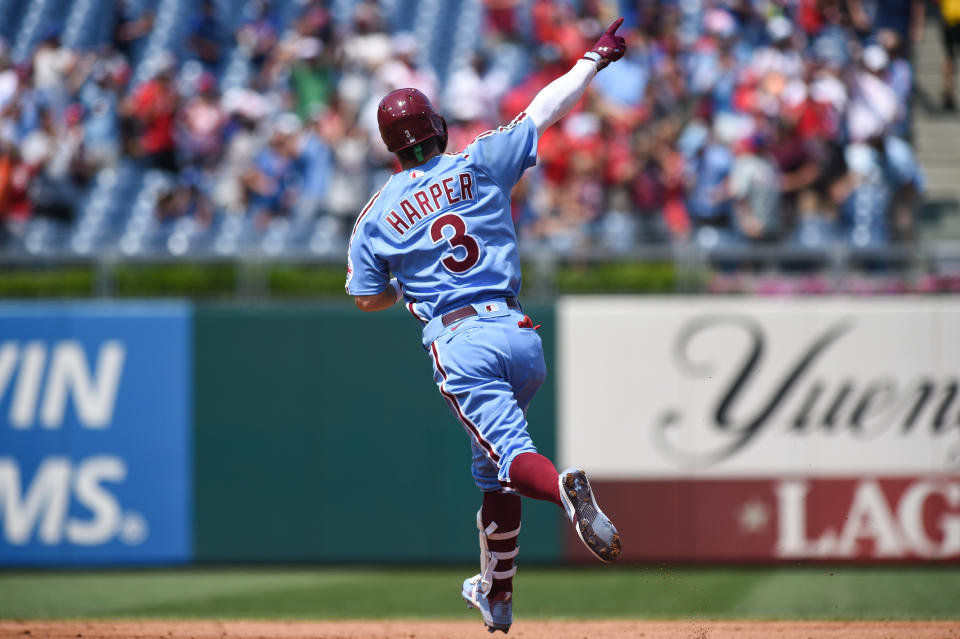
<point>488,369</point>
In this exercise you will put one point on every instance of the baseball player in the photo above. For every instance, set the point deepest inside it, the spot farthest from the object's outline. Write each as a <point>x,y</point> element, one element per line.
<point>439,236</point>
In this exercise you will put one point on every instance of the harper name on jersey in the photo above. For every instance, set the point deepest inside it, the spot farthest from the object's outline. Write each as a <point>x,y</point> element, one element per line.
<point>437,196</point>
<point>444,229</point>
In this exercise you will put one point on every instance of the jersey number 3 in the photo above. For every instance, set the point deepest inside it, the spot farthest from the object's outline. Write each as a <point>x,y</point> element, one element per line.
<point>459,239</point>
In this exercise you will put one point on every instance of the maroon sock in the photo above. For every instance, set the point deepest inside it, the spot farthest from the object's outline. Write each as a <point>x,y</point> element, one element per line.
<point>504,509</point>
<point>533,475</point>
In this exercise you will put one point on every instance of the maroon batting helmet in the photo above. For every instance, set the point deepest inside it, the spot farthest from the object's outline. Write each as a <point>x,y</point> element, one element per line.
<point>406,117</point>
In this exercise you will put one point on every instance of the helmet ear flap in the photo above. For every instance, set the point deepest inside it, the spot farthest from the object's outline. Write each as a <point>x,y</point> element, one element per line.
<point>442,141</point>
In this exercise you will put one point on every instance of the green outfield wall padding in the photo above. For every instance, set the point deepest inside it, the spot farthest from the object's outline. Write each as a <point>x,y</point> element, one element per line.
<point>320,436</point>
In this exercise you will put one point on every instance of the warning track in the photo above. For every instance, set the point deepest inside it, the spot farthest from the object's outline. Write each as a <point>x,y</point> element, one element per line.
<point>453,630</point>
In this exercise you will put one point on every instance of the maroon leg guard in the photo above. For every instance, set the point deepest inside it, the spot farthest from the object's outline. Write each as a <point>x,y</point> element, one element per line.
<point>503,509</point>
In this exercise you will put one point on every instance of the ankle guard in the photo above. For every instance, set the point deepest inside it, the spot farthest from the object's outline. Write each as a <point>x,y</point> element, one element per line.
<point>490,558</point>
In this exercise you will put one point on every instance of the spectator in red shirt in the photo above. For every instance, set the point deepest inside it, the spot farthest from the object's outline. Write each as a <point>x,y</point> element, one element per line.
<point>15,177</point>
<point>501,18</point>
<point>153,108</point>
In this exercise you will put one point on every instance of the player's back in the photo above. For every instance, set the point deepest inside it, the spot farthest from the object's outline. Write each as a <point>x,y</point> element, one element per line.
<point>444,228</point>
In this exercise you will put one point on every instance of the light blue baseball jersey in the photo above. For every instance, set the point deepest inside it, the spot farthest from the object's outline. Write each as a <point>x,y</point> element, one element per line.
<point>444,229</point>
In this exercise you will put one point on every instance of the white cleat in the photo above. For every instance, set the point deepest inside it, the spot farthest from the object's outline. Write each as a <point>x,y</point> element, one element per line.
<point>497,613</point>
<point>595,529</point>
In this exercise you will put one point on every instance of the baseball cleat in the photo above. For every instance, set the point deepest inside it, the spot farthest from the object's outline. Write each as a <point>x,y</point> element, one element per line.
<point>595,529</point>
<point>497,613</point>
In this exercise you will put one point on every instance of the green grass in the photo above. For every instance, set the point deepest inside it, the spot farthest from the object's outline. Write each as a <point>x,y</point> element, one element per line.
<point>605,592</point>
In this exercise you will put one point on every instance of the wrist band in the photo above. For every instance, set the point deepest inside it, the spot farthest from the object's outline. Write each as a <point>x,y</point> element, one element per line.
<point>593,56</point>
<point>397,288</point>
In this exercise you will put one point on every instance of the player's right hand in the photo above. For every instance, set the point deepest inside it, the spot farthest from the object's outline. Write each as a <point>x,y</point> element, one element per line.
<point>609,48</point>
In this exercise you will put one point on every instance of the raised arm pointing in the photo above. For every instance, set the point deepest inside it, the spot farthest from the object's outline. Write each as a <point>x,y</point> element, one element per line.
<point>557,98</point>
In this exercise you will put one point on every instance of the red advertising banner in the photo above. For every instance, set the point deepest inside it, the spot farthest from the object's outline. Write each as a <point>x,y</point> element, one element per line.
<point>884,519</point>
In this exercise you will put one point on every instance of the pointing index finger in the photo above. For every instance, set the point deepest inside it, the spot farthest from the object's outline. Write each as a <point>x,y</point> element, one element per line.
<point>613,27</point>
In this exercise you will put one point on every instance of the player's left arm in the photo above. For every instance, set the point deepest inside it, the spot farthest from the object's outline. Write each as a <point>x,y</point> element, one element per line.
<point>557,98</point>
<point>382,300</point>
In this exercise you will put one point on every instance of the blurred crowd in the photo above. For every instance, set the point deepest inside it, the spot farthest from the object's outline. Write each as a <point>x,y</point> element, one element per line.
<point>732,122</point>
<point>729,122</point>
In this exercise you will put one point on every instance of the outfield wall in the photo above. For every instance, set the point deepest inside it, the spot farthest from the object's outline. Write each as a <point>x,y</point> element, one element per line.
<point>321,436</point>
<point>168,433</point>
<point>714,430</point>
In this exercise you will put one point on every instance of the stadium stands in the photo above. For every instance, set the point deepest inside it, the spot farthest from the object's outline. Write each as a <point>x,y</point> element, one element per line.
<point>173,127</point>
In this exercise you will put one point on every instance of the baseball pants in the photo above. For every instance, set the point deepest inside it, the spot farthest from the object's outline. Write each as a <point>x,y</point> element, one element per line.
<point>488,369</point>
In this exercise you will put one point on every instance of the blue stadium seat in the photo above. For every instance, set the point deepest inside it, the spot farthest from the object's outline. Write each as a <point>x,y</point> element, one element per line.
<point>106,210</point>
<point>85,27</point>
<point>465,38</point>
<point>236,68</point>
<point>11,15</point>
<point>404,15</point>
<point>327,239</point>
<point>342,10</point>
<point>41,19</point>
<point>438,40</point>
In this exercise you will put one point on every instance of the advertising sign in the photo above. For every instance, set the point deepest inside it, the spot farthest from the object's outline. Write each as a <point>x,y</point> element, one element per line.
<point>815,428</point>
<point>789,519</point>
<point>95,452</point>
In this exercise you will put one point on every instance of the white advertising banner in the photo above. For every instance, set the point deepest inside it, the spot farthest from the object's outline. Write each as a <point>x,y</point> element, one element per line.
<point>672,387</point>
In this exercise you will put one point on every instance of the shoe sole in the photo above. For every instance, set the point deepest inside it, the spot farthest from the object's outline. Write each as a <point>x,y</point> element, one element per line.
<point>579,503</point>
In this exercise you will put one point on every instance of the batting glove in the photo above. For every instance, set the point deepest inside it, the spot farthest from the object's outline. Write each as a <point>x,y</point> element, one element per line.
<point>609,48</point>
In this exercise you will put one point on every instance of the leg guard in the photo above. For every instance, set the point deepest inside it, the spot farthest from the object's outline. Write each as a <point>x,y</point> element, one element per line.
<point>490,558</point>
<point>497,610</point>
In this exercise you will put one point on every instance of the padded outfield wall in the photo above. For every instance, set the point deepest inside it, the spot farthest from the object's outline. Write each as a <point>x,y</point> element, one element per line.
<point>321,436</point>
<point>714,429</point>
<point>159,433</point>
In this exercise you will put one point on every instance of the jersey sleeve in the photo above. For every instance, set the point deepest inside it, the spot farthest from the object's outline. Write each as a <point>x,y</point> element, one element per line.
<point>505,153</point>
<point>367,274</point>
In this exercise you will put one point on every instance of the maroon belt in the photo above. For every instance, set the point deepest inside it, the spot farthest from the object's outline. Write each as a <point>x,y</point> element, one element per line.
<point>468,311</point>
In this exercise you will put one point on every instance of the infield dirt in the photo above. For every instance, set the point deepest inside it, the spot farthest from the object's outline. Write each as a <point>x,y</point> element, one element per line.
<point>454,630</point>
